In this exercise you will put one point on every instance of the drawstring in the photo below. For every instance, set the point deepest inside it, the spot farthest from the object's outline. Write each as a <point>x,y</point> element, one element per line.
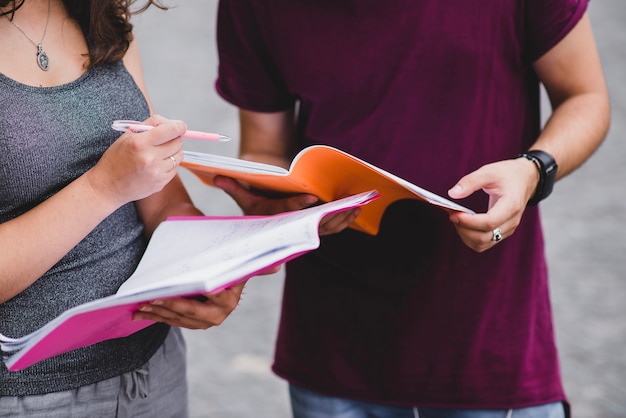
<point>135,383</point>
<point>416,413</point>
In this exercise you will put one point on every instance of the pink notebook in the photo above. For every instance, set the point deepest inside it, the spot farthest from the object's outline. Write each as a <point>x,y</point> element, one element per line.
<point>211,254</point>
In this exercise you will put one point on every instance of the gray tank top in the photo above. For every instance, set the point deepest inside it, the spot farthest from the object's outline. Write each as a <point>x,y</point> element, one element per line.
<point>48,137</point>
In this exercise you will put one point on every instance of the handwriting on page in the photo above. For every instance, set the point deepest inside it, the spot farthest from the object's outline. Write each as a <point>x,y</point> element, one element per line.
<point>204,249</point>
<point>181,250</point>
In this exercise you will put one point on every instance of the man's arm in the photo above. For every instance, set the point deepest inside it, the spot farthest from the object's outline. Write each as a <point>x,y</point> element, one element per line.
<point>572,75</point>
<point>267,137</point>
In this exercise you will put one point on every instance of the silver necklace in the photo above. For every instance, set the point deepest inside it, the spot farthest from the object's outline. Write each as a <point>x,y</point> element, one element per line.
<point>42,58</point>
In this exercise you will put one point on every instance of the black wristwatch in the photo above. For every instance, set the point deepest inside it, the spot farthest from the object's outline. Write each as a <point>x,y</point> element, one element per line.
<point>547,174</point>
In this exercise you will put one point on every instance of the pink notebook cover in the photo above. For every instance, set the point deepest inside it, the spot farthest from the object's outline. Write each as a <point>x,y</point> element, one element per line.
<point>98,325</point>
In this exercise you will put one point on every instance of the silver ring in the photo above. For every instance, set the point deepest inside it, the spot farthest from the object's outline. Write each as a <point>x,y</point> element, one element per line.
<point>175,164</point>
<point>497,235</point>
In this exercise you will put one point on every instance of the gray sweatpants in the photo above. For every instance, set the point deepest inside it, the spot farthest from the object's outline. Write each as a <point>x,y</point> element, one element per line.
<point>157,389</point>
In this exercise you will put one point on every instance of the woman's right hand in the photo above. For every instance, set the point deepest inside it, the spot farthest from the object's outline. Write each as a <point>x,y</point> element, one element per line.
<point>135,166</point>
<point>138,165</point>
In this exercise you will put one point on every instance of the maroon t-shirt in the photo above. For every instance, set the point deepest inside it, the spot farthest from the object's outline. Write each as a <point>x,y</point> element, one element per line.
<point>430,91</point>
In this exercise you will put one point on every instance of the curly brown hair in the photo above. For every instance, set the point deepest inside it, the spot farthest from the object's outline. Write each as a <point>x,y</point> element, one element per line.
<point>105,24</point>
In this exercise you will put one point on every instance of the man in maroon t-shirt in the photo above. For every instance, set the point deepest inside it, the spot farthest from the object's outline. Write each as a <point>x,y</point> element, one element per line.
<point>435,314</point>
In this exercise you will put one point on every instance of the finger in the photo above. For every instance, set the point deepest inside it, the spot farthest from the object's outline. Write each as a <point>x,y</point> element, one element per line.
<point>164,132</point>
<point>174,163</point>
<point>483,231</point>
<point>187,313</point>
<point>168,312</point>
<point>158,120</point>
<point>174,160</point>
<point>269,206</point>
<point>479,241</point>
<point>467,185</point>
<point>172,319</point>
<point>171,148</point>
<point>300,201</point>
<point>270,270</point>
<point>242,196</point>
<point>256,204</point>
<point>240,193</point>
<point>228,298</point>
<point>155,120</point>
<point>229,185</point>
<point>338,221</point>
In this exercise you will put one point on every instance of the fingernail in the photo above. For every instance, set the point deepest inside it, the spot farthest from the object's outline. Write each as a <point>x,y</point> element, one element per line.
<point>457,189</point>
<point>310,199</point>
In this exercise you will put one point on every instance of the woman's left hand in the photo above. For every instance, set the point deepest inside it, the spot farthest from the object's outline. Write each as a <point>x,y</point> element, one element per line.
<point>193,313</point>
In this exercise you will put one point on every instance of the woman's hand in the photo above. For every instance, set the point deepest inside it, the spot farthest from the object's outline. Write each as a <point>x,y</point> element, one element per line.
<point>138,165</point>
<point>193,313</point>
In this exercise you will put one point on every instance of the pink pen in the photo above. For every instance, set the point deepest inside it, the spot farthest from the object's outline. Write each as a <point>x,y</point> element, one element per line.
<point>135,126</point>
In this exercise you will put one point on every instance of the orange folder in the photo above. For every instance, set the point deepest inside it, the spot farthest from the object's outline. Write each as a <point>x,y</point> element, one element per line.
<point>324,171</point>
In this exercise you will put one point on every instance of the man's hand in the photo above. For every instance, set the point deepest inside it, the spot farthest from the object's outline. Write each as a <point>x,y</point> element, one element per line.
<point>255,204</point>
<point>509,184</point>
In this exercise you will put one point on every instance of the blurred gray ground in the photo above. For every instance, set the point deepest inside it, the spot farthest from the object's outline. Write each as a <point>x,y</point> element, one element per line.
<point>584,219</point>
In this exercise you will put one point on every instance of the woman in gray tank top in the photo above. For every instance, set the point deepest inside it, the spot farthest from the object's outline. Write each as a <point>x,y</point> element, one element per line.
<point>77,205</point>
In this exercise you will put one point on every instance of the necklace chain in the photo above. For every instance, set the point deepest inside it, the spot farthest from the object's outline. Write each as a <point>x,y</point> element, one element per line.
<point>42,57</point>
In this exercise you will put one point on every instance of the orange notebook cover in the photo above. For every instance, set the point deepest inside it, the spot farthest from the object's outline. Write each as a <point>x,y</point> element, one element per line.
<point>324,171</point>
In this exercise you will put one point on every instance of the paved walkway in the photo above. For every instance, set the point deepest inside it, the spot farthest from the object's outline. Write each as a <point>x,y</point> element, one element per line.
<point>585,222</point>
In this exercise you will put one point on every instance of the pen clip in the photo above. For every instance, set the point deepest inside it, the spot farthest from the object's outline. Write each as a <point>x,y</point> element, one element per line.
<point>125,125</point>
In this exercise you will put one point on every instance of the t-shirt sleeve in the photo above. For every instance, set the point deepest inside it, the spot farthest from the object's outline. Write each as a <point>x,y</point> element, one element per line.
<point>549,21</point>
<point>247,76</point>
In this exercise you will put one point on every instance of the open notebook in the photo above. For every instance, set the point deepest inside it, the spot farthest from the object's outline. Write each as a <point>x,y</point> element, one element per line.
<point>209,255</point>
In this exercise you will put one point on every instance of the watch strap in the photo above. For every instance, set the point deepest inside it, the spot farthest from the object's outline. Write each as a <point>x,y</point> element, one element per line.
<point>547,168</point>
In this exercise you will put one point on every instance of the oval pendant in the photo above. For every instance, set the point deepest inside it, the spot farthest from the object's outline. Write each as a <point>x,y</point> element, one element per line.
<point>42,59</point>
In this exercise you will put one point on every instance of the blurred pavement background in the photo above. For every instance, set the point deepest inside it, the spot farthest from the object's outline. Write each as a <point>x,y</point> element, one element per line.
<point>585,222</point>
